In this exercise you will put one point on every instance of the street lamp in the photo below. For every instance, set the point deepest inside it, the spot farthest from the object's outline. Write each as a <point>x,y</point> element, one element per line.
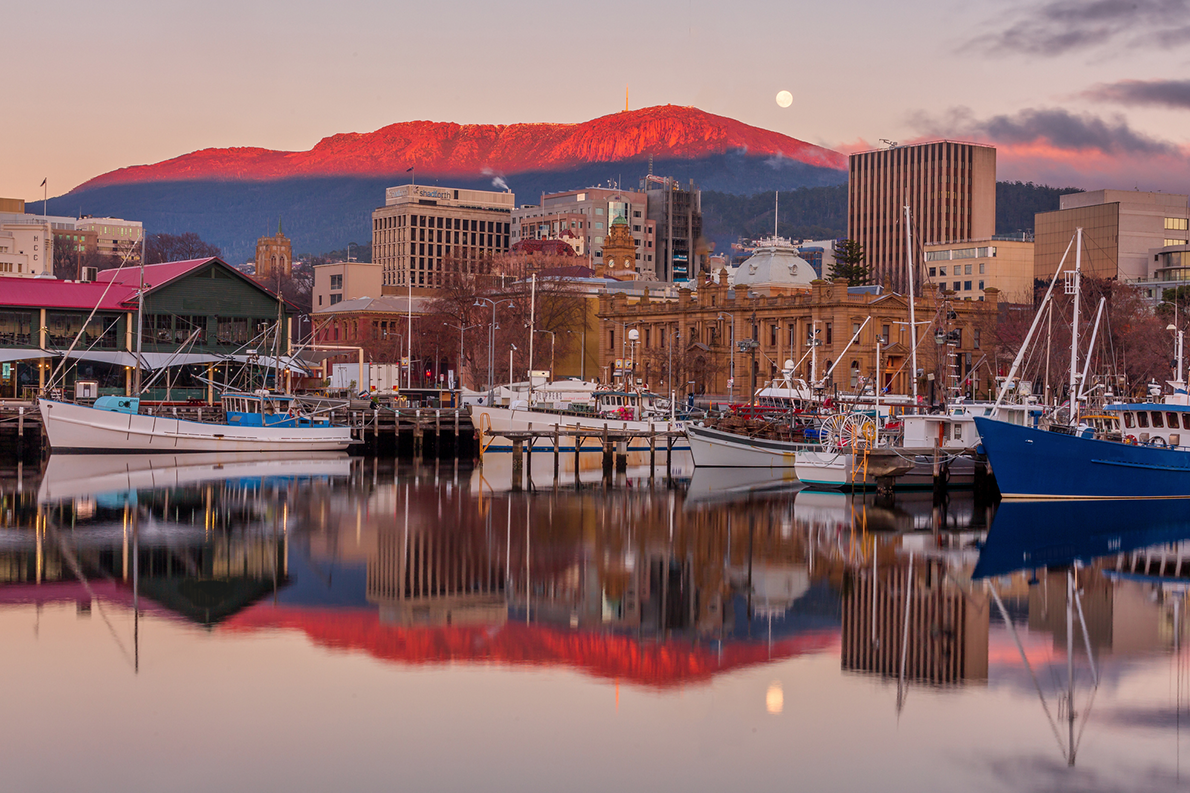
<point>461,329</point>
<point>479,301</point>
<point>731,366</point>
<point>511,349</point>
<point>633,340</point>
<point>553,338</point>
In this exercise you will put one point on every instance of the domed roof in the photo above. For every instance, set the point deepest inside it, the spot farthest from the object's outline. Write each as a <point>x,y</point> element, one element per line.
<point>775,263</point>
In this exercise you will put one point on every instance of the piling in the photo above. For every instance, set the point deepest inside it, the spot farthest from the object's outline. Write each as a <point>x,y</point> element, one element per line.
<point>518,463</point>
<point>556,450</point>
<point>607,454</point>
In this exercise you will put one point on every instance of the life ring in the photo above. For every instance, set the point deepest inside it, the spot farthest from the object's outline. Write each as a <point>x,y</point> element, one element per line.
<point>294,412</point>
<point>1130,440</point>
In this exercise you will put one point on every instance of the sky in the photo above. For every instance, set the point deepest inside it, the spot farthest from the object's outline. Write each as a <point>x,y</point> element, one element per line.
<point>1087,93</point>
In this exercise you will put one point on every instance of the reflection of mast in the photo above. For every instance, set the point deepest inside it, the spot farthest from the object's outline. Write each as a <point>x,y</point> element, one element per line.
<point>1069,749</point>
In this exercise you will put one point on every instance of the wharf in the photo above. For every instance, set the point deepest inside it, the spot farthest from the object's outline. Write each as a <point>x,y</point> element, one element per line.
<point>613,442</point>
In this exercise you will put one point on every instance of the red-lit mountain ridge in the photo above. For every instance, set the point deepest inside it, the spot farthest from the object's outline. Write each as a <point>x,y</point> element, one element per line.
<point>447,149</point>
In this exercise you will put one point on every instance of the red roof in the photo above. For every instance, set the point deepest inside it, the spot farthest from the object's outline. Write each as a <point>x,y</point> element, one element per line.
<point>52,293</point>
<point>155,274</point>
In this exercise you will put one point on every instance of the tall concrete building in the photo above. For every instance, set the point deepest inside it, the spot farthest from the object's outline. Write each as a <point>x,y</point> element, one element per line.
<point>422,232</point>
<point>677,212</point>
<point>114,237</point>
<point>583,218</point>
<point>950,188</point>
<point>1123,233</point>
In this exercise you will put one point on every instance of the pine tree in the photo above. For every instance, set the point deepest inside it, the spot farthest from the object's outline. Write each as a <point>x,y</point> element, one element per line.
<point>849,263</point>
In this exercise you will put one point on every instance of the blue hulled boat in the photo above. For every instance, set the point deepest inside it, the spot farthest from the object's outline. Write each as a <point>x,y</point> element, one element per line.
<point>1147,458</point>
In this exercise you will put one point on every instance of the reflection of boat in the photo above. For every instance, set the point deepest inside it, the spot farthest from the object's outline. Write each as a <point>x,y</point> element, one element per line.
<point>909,512</point>
<point>71,476</point>
<point>731,484</point>
<point>258,422</point>
<point>1025,536</point>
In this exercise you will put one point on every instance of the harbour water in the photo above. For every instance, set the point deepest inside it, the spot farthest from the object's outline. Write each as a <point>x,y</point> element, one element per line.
<point>326,623</point>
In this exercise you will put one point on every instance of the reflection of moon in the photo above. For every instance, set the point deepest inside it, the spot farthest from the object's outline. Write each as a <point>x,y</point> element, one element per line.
<point>784,99</point>
<point>774,698</point>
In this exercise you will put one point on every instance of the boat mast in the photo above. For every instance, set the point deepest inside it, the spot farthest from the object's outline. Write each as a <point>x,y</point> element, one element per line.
<point>140,319</point>
<point>1072,285</point>
<point>532,332</point>
<point>912,313</point>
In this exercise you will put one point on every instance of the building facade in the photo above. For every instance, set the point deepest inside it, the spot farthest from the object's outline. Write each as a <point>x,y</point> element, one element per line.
<point>949,186</point>
<point>583,219</point>
<point>339,281</point>
<point>422,233</point>
<point>1123,231</point>
<point>115,237</point>
<point>687,344</point>
<point>970,266</point>
<point>677,213</point>
<point>26,249</point>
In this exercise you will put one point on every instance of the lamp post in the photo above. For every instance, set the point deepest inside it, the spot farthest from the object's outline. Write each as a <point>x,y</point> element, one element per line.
<point>633,340</point>
<point>731,365</point>
<point>479,301</point>
<point>749,346</point>
<point>553,338</point>
<point>461,329</point>
<point>511,349</point>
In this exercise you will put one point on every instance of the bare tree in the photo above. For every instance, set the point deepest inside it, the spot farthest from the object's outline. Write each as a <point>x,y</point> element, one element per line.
<point>164,247</point>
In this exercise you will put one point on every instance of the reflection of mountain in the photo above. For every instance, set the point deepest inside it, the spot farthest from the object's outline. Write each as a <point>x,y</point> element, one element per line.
<point>604,655</point>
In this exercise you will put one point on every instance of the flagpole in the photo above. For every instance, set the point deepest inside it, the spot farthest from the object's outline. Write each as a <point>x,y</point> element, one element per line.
<point>45,196</point>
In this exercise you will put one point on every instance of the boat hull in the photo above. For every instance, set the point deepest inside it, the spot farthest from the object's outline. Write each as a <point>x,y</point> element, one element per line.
<point>712,448</point>
<point>1034,463</point>
<point>78,429</point>
<point>844,471</point>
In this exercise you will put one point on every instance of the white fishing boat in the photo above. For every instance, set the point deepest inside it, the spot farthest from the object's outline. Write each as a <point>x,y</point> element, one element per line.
<point>617,411</point>
<point>256,422</point>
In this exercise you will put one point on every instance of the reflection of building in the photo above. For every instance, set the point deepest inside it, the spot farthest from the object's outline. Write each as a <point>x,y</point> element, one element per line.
<point>437,575</point>
<point>950,188</point>
<point>422,233</point>
<point>947,635</point>
<point>274,256</point>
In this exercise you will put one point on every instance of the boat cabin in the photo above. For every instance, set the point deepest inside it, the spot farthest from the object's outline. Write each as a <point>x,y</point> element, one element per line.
<point>264,409</point>
<point>1153,423</point>
<point>630,405</point>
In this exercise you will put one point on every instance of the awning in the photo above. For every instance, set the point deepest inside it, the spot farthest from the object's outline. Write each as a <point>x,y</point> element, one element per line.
<point>116,357</point>
<point>156,360</point>
<point>23,355</point>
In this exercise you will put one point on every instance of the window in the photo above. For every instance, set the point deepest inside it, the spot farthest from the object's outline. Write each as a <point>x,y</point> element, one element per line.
<point>981,285</point>
<point>967,286</point>
<point>828,333</point>
<point>1176,224</point>
<point>933,272</point>
<point>1186,421</point>
<point>956,286</point>
<point>887,337</point>
<point>1129,421</point>
<point>1173,242</point>
<point>966,269</point>
<point>773,335</point>
<point>975,339</point>
<point>942,271</point>
<point>1142,419</point>
<point>611,338</point>
<point>1171,420</point>
<point>981,268</point>
<point>854,328</point>
<point>336,299</point>
<point>337,281</point>
<point>1158,422</point>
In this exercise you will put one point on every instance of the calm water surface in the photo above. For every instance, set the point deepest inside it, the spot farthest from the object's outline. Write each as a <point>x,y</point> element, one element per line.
<point>336,624</point>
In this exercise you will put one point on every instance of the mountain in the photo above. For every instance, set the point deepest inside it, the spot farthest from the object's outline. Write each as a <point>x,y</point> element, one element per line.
<point>325,196</point>
<point>472,150</point>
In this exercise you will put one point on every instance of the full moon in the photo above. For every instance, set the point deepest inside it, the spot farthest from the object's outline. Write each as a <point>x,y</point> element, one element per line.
<point>784,99</point>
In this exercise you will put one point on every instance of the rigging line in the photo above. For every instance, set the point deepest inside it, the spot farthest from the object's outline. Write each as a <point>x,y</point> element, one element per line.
<point>89,349</point>
<point>111,281</point>
<point>73,563</point>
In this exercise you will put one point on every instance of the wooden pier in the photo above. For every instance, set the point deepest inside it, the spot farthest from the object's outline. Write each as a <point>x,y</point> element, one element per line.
<point>613,442</point>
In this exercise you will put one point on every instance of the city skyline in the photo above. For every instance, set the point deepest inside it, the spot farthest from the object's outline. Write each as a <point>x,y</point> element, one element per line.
<point>1082,94</point>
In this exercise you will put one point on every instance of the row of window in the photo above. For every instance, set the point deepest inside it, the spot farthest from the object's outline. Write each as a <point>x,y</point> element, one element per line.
<point>1156,419</point>
<point>439,222</point>
<point>965,268</point>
